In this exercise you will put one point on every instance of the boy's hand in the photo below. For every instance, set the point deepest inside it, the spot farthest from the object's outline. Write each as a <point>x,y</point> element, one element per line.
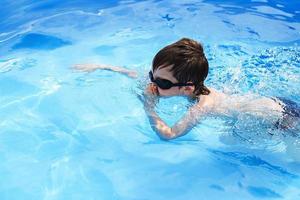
<point>93,67</point>
<point>150,96</point>
<point>88,67</point>
<point>151,89</point>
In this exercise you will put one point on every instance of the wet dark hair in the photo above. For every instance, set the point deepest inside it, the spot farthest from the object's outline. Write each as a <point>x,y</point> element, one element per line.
<point>189,63</point>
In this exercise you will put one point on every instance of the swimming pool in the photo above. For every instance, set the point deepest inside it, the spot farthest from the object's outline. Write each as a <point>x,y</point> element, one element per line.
<point>72,135</point>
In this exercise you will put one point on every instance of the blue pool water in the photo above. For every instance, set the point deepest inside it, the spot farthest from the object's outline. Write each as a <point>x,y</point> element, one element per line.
<point>71,135</point>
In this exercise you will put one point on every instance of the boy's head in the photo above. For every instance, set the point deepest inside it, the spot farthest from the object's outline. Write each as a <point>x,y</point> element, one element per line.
<point>182,62</point>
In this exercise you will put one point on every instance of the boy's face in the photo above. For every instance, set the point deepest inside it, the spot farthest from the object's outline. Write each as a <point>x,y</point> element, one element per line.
<point>165,73</point>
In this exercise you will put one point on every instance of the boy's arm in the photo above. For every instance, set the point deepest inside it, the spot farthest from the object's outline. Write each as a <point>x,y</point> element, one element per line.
<point>93,67</point>
<point>182,127</point>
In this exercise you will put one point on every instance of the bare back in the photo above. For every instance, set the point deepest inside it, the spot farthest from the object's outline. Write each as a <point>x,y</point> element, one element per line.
<point>222,104</point>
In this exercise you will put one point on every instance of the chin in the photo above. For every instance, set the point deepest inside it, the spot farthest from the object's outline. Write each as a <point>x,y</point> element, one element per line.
<point>169,95</point>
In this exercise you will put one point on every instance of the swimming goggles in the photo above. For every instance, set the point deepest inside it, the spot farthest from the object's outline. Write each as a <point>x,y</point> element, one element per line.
<point>166,84</point>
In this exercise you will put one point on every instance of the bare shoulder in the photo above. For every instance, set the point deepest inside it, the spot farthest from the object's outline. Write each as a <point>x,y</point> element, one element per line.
<point>210,101</point>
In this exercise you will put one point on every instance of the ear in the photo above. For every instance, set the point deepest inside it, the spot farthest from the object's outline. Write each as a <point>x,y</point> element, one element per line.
<point>188,90</point>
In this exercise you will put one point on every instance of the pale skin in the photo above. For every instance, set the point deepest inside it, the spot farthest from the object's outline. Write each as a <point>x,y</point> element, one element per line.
<point>216,102</point>
<point>93,67</point>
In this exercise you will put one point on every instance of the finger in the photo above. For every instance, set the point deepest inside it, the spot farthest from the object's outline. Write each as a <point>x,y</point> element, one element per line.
<point>75,68</point>
<point>153,90</point>
<point>149,88</point>
<point>156,90</point>
<point>79,67</point>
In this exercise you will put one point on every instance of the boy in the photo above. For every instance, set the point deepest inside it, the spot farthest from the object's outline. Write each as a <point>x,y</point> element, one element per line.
<point>181,69</point>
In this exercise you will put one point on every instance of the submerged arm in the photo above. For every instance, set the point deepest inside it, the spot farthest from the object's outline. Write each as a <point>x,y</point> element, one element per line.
<point>93,67</point>
<point>182,127</point>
